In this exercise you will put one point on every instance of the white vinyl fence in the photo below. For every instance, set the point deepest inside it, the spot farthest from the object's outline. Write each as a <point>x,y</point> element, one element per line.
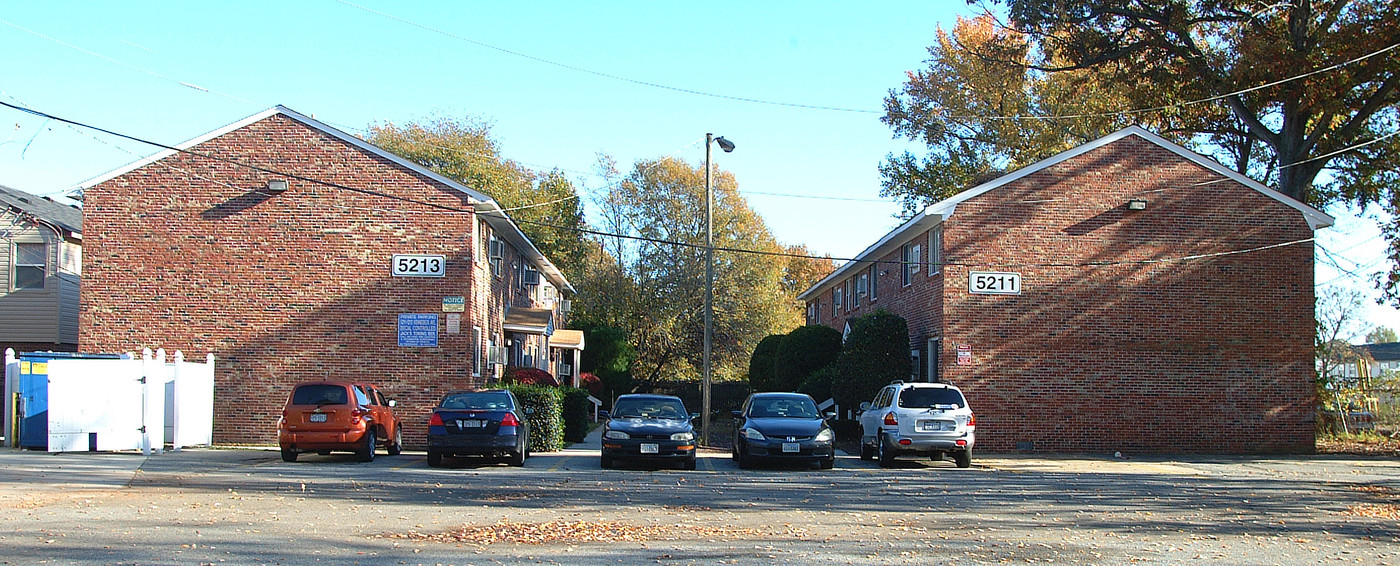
<point>124,404</point>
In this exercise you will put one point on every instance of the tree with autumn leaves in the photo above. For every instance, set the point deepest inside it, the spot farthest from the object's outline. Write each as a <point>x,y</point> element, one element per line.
<point>1303,95</point>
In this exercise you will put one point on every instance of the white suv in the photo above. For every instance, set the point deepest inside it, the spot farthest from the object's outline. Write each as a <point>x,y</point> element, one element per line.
<point>924,419</point>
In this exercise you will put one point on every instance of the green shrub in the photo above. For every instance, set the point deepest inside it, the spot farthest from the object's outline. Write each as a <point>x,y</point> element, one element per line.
<point>803,352</point>
<point>577,409</point>
<point>547,420</point>
<point>762,371</point>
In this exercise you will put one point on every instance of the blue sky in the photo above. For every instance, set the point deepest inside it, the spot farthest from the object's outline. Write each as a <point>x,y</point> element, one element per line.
<point>170,71</point>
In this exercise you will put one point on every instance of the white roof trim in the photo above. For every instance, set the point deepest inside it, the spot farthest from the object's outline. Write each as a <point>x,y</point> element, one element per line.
<point>497,219</point>
<point>945,208</point>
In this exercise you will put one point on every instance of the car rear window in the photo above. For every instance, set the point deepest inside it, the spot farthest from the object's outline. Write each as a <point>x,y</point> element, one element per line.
<point>928,397</point>
<point>320,394</point>
<point>477,401</point>
<point>649,408</point>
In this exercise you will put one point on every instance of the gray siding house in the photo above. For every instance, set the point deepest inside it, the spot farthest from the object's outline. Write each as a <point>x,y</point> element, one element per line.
<point>41,265</point>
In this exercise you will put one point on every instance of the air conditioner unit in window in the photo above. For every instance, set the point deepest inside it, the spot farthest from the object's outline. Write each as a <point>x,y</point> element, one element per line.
<point>496,249</point>
<point>532,276</point>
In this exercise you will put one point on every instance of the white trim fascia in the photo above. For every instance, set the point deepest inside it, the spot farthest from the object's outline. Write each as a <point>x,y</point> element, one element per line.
<point>945,208</point>
<point>498,219</point>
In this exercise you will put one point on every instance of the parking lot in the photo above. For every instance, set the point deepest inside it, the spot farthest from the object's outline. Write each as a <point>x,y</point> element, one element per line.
<point>224,506</point>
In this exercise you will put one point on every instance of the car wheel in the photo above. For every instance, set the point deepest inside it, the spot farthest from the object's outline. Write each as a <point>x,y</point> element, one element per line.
<point>744,460</point>
<point>963,459</point>
<point>434,458</point>
<point>867,452</point>
<point>517,458</point>
<point>883,453</point>
<point>289,455</point>
<point>688,464</point>
<point>397,447</point>
<point>606,462</point>
<point>366,452</point>
<point>829,463</point>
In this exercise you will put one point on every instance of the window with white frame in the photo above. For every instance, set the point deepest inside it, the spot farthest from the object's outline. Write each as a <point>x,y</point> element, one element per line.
<point>836,301</point>
<point>911,263</point>
<point>479,351</point>
<point>935,249</point>
<point>874,281</point>
<point>31,263</point>
<point>862,286</point>
<point>850,298</point>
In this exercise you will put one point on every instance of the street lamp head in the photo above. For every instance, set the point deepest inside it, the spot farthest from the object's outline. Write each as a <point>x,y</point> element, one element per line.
<point>724,144</point>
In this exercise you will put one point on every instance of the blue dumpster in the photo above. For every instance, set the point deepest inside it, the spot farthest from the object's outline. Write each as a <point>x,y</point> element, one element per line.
<point>34,394</point>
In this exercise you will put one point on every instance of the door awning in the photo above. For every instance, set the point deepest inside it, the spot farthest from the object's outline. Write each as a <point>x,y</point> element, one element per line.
<point>530,321</point>
<point>567,339</point>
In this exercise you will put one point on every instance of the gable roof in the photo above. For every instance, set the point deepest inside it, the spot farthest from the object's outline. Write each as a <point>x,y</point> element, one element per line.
<point>61,215</point>
<point>1383,352</point>
<point>939,211</point>
<point>487,207</point>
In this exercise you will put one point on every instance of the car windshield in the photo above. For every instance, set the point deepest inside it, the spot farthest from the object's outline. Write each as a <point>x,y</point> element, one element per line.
<point>783,407</point>
<point>648,409</point>
<point>931,397</point>
<point>320,394</point>
<point>477,401</point>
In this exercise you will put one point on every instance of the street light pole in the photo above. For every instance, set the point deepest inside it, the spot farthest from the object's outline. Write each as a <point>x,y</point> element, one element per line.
<point>709,292</point>
<point>727,146</point>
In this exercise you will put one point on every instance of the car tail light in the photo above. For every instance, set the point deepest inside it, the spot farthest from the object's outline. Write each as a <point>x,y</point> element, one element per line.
<point>890,419</point>
<point>510,420</point>
<point>972,420</point>
<point>435,420</point>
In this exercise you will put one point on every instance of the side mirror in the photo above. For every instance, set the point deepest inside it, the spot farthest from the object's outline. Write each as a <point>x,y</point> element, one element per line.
<point>737,414</point>
<point>393,403</point>
<point>864,406</point>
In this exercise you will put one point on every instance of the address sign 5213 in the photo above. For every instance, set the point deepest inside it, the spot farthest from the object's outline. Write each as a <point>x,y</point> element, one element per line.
<point>419,265</point>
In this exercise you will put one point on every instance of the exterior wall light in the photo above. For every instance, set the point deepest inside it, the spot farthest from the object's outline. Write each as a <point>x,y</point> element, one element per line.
<point>277,185</point>
<point>1137,204</point>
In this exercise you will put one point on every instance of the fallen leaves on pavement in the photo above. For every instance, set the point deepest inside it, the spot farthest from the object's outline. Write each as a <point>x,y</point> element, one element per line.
<point>585,531</point>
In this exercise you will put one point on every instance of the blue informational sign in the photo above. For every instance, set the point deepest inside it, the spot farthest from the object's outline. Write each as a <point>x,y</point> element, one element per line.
<point>418,330</point>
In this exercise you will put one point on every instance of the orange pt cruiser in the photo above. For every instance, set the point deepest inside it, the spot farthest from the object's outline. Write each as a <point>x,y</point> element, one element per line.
<point>326,416</point>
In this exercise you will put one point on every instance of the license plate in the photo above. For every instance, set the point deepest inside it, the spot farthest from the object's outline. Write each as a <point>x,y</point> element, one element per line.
<point>471,423</point>
<point>935,426</point>
<point>648,448</point>
<point>318,417</point>
<point>791,447</point>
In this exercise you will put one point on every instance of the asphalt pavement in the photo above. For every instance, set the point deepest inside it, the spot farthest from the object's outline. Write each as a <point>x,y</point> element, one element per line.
<point>241,506</point>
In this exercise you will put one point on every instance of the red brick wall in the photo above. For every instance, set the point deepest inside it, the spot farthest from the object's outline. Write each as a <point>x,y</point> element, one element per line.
<point>184,254</point>
<point>1206,355</point>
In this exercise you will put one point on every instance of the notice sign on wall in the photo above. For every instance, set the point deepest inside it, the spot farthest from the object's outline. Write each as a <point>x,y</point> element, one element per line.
<point>418,330</point>
<point>454,323</point>
<point>454,304</point>
<point>964,354</point>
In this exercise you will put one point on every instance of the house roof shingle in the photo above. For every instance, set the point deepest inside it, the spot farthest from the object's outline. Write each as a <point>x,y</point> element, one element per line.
<point>61,215</point>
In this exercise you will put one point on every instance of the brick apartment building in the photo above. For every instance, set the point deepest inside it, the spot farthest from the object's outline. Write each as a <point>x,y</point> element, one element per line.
<point>1126,295</point>
<point>294,251</point>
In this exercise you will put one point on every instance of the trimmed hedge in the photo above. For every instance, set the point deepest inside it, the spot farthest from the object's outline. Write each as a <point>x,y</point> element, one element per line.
<point>577,411</point>
<point>547,421</point>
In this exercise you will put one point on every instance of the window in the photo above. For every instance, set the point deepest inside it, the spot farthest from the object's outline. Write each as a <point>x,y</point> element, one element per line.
<point>935,249</point>
<point>915,360</point>
<point>836,301</point>
<point>31,263</point>
<point>874,278</point>
<point>911,263</point>
<point>496,251</point>
<point>480,350</point>
<point>850,297</point>
<point>862,286</point>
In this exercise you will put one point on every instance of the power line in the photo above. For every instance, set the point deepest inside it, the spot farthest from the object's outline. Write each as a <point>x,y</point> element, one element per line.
<point>606,75</point>
<point>238,163</point>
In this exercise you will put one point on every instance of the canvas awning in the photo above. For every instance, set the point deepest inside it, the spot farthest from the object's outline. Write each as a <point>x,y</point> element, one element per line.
<point>568,339</point>
<point>530,321</point>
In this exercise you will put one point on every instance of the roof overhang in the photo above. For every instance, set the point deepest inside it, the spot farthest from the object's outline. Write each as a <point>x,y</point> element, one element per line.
<point>567,339</point>
<point>530,321</point>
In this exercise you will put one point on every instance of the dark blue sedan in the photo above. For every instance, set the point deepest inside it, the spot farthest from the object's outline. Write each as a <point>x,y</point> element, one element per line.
<point>649,427</point>
<point>479,423</point>
<point>782,427</point>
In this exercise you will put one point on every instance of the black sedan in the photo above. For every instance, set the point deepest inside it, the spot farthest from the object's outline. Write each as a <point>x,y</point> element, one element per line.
<point>649,427</point>
<point>479,423</point>
<point>782,427</point>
